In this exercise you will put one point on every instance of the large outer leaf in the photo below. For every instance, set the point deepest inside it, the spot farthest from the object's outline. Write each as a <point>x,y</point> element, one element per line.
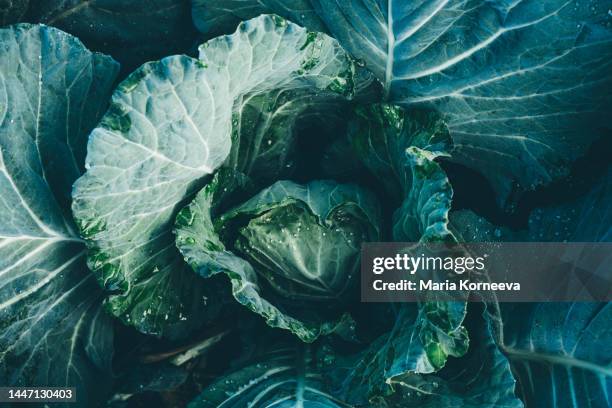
<point>52,329</point>
<point>560,353</point>
<point>301,259</point>
<point>170,125</point>
<point>523,85</point>
<point>288,376</point>
<point>132,31</point>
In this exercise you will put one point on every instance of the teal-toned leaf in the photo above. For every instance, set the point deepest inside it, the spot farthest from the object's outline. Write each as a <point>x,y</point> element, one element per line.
<point>587,219</point>
<point>323,198</point>
<point>399,148</point>
<point>169,126</point>
<point>560,353</point>
<point>522,85</point>
<point>286,376</point>
<point>132,31</point>
<point>291,252</point>
<point>53,331</point>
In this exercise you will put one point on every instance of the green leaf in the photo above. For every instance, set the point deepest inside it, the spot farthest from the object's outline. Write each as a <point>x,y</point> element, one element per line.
<point>169,126</point>
<point>266,125</point>
<point>266,128</point>
<point>420,342</point>
<point>53,331</point>
<point>523,86</point>
<point>423,215</point>
<point>381,133</point>
<point>291,252</point>
<point>324,198</point>
<point>399,148</point>
<point>294,268</point>
<point>482,378</point>
<point>286,376</point>
<point>305,240</point>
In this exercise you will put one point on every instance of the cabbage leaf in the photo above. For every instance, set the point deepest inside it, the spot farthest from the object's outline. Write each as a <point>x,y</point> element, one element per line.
<point>291,252</point>
<point>53,331</point>
<point>286,375</point>
<point>559,352</point>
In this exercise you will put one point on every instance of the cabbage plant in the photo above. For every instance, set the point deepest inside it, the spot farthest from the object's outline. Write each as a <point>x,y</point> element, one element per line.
<point>183,227</point>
